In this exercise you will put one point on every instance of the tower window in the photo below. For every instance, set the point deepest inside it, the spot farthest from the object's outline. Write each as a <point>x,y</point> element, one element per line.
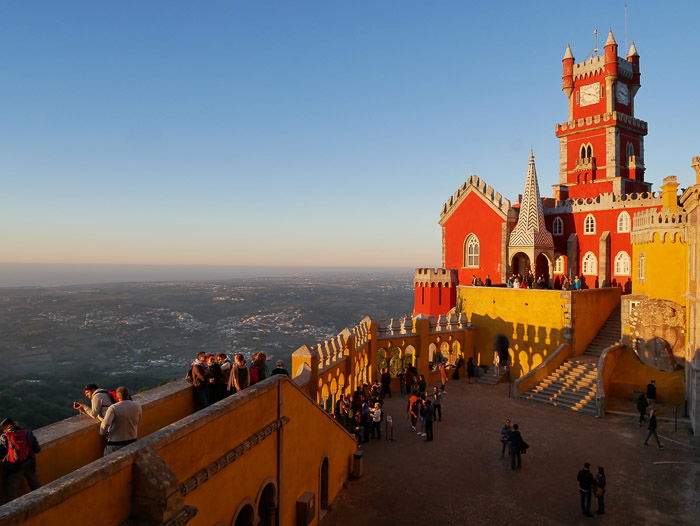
<point>622,264</point>
<point>471,251</point>
<point>583,152</point>
<point>558,226</point>
<point>642,266</point>
<point>623,222</point>
<point>589,151</point>
<point>559,265</point>
<point>589,224</point>
<point>590,264</point>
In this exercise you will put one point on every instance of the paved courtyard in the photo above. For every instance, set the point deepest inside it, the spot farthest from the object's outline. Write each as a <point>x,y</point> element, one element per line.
<point>460,479</point>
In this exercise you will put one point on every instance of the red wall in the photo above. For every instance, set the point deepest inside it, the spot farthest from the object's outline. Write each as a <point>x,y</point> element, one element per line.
<point>474,216</point>
<point>433,299</point>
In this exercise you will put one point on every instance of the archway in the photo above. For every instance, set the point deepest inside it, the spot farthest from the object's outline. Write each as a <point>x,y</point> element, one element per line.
<point>542,268</point>
<point>395,364</point>
<point>267,508</point>
<point>520,264</point>
<point>245,517</point>
<point>323,490</point>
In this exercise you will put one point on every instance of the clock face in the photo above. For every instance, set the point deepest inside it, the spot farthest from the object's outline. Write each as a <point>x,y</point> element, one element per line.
<point>590,94</point>
<point>623,93</point>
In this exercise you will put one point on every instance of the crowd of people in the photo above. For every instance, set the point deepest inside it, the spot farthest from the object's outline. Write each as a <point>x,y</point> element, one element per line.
<point>527,281</point>
<point>216,376</point>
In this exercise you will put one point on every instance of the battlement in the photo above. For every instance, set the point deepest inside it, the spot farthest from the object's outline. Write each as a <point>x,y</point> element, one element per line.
<point>650,225</point>
<point>612,117</point>
<point>475,184</point>
<point>431,277</point>
<point>605,202</point>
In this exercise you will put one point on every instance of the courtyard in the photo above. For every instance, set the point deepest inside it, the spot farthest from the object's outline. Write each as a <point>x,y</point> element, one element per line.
<point>460,479</point>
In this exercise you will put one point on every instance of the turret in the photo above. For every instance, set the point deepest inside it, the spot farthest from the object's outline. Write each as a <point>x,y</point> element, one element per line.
<point>669,192</point>
<point>567,78</point>
<point>696,166</point>
<point>611,55</point>
<point>633,58</point>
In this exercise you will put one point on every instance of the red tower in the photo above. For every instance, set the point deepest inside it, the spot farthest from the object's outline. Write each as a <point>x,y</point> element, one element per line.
<point>602,143</point>
<point>435,291</point>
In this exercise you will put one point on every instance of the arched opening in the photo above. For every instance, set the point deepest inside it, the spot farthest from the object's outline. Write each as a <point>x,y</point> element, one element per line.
<point>395,364</point>
<point>589,151</point>
<point>520,264</point>
<point>245,517</point>
<point>455,353</point>
<point>542,269</point>
<point>409,359</point>
<point>382,359</point>
<point>323,490</point>
<point>267,507</point>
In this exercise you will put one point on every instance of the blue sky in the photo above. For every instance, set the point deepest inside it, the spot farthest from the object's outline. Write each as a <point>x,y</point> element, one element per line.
<point>298,133</point>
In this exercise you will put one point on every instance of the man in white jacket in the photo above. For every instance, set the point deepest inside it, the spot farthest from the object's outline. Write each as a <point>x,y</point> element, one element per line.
<point>100,400</point>
<point>121,422</point>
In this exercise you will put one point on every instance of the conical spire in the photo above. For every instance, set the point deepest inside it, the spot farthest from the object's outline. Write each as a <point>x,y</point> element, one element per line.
<point>611,39</point>
<point>568,53</point>
<point>633,51</point>
<point>531,230</point>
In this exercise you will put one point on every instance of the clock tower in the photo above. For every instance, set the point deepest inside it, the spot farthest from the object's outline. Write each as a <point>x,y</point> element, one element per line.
<point>602,143</point>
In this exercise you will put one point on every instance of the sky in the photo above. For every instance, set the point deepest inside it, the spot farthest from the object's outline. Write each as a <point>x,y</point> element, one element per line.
<point>299,133</point>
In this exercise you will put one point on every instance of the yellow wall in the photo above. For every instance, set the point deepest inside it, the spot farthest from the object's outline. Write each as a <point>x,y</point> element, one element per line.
<point>666,275</point>
<point>535,321</point>
<point>624,373</point>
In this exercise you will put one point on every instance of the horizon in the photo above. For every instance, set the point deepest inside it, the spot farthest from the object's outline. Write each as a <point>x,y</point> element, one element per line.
<point>299,135</point>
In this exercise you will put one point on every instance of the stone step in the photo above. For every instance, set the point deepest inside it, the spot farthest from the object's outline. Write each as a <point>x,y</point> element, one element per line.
<point>579,405</point>
<point>589,410</point>
<point>571,401</point>
<point>566,396</point>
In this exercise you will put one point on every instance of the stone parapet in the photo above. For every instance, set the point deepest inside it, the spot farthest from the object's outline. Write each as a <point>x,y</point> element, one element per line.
<point>426,277</point>
<point>665,225</point>
<point>602,119</point>
<point>606,201</point>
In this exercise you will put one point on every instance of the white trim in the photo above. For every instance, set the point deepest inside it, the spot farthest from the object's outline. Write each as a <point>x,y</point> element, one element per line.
<point>624,222</point>
<point>589,260</point>
<point>623,264</point>
<point>586,230</point>
<point>472,252</point>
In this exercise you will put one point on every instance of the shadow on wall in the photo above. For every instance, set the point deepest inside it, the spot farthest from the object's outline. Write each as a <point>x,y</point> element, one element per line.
<point>529,344</point>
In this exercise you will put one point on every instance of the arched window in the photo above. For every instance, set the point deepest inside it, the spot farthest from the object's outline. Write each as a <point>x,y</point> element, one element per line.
<point>623,264</point>
<point>630,150</point>
<point>589,224</point>
<point>590,264</point>
<point>471,251</point>
<point>559,265</point>
<point>623,222</point>
<point>558,226</point>
<point>583,151</point>
<point>642,266</point>
<point>589,151</point>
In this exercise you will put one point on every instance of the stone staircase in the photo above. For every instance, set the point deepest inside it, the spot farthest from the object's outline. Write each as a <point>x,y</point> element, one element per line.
<point>489,378</point>
<point>573,384</point>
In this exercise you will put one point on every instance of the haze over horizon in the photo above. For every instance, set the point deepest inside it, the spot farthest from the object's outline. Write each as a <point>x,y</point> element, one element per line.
<point>313,135</point>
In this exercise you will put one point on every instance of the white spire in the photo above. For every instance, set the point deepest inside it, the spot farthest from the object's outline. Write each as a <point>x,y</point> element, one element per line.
<point>633,51</point>
<point>568,53</point>
<point>531,231</point>
<point>611,39</point>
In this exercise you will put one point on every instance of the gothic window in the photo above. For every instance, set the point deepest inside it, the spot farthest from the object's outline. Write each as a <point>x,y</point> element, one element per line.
<point>642,266</point>
<point>590,264</point>
<point>622,264</point>
<point>558,226</point>
<point>559,265</point>
<point>589,151</point>
<point>471,251</point>
<point>583,152</point>
<point>630,151</point>
<point>589,224</point>
<point>623,222</point>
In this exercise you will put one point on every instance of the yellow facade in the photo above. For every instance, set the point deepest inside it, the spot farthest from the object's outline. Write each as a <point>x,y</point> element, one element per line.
<point>665,262</point>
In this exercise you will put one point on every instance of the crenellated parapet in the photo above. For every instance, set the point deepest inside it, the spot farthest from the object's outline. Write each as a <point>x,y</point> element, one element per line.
<point>605,118</point>
<point>664,226</point>
<point>475,184</point>
<point>433,277</point>
<point>606,201</point>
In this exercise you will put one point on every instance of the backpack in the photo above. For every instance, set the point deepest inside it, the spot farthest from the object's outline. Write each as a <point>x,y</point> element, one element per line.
<point>17,446</point>
<point>113,396</point>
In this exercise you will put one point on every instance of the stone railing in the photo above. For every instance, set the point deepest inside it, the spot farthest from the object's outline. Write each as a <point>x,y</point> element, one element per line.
<point>605,202</point>
<point>550,364</point>
<point>603,118</point>
<point>666,224</point>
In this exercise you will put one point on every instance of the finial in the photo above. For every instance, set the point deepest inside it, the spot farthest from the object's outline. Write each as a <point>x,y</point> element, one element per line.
<point>633,51</point>
<point>595,36</point>
<point>611,39</point>
<point>568,53</point>
<point>532,155</point>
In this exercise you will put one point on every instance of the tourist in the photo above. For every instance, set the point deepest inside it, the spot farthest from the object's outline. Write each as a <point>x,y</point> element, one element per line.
<point>121,422</point>
<point>18,447</point>
<point>457,367</point>
<point>488,280</point>
<point>652,429</point>
<point>402,382</point>
<point>585,486</point>
<point>100,400</point>
<point>577,283</point>
<point>422,384</point>
<point>437,403</point>
<point>516,283</point>
<point>471,370</point>
<point>505,435</point>
<point>279,369</point>
<point>386,383</point>
<point>566,284</point>
<point>516,446</point>
<point>413,409</point>
<point>642,405</point>
<point>217,384</point>
<point>377,421</point>
<point>240,377</point>
<point>443,375</point>
<point>258,368</point>
<point>651,394</point>
<point>428,416</point>
<point>225,365</point>
<point>366,421</point>
<point>600,490</point>
<point>199,373</point>
<point>409,381</point>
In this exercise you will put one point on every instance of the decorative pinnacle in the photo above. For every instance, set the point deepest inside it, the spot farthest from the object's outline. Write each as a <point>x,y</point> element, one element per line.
<point>532,156</point>
<point>569,54</point>
<point>611,39</point>
<point>633,51</point>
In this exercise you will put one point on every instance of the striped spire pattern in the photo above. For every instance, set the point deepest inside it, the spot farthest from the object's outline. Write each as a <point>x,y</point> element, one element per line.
<point>530,231</point>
